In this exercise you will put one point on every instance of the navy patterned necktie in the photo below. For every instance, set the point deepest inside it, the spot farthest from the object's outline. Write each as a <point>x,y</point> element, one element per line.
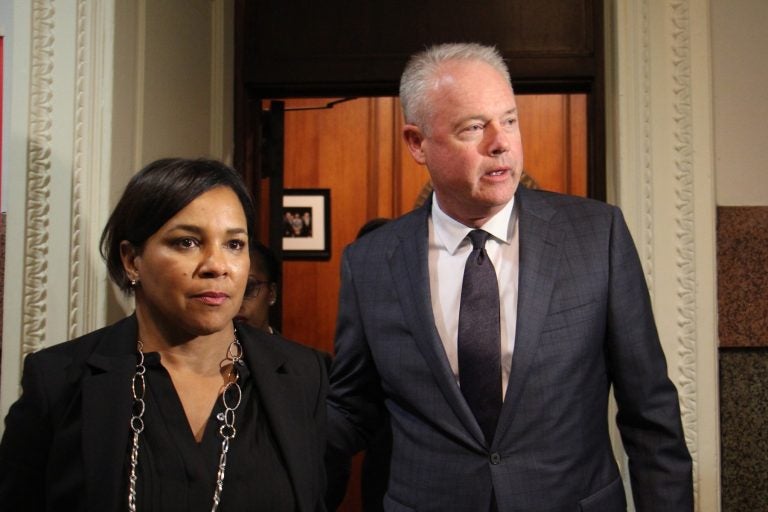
<point>479,339</point>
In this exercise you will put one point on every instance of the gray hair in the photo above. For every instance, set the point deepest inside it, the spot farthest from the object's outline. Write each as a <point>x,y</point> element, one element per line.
<point>421,71</point>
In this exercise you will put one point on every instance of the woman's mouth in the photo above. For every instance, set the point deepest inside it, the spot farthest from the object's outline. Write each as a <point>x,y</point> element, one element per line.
<point>212,298</point>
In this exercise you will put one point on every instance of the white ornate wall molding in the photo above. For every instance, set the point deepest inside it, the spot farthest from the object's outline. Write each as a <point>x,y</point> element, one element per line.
<point>664,183</point>
<point>91,163</point>
<point>685,223</point>
<point>78,82</point>
<point>38,178</point>
<point>58,171</point>
<point>79,172</point>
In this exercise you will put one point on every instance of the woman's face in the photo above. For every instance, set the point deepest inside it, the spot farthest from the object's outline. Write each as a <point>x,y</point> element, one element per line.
<point>260,294</point>
<point>192,271</point>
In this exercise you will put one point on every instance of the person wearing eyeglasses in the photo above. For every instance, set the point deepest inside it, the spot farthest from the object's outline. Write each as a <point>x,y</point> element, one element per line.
<point>172,408</point>
<point>261,289</point>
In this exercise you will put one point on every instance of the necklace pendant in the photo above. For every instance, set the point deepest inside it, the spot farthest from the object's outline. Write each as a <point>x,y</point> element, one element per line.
<point>227,430</point>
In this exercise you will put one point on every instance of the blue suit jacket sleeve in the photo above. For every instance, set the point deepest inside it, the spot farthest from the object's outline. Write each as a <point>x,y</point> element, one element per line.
<point>354,409</point>
<point>648,413</point>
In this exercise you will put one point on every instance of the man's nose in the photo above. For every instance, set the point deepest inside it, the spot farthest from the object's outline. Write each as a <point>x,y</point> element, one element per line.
<point>498,139</point>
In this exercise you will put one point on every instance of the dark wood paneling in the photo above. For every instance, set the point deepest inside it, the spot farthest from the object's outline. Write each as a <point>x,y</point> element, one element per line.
<point>314,47</point>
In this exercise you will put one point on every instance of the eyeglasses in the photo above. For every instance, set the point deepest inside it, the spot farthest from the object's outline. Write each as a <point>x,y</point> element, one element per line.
<point>253,288</point>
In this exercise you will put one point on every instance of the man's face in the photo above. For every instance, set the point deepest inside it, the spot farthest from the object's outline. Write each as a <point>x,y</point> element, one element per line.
<point>471,143</point>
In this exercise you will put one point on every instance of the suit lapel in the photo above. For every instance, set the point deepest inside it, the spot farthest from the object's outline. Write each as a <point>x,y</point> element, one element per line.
<point>107,412</point>
<point>540,255</point>
<point>280,395</point>
<point>410,271</point>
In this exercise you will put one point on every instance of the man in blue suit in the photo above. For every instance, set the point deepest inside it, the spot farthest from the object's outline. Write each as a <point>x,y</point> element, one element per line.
<point>574,319</point>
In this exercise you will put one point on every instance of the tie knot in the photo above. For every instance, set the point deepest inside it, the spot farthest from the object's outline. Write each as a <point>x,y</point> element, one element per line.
<point>478,238</point>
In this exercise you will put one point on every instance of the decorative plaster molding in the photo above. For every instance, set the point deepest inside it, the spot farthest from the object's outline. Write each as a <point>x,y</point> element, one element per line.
<point>78,170</point>
<point>38,178</point>
<point>685,223</point>
<point>647,253</point>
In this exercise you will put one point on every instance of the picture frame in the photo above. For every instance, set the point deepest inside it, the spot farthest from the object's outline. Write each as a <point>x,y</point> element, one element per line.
<point>306,222</point>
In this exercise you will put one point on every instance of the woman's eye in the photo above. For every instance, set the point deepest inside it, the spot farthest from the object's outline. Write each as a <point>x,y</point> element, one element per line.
<point>186,243</point>
<point>237,244</point>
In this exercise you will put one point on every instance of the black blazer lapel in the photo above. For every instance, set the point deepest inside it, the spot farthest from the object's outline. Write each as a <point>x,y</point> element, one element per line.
<point>106,415</point>
<point>410,271</point>
<point>281,397</point>
<point>540,254</point>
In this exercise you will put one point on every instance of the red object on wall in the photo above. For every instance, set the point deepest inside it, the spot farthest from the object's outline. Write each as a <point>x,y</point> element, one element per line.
<point>1,123</point>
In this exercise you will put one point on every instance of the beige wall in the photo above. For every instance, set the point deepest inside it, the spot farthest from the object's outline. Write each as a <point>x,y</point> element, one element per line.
<point>740,90</point>
<point>98,88</point>
<point>173,83</point>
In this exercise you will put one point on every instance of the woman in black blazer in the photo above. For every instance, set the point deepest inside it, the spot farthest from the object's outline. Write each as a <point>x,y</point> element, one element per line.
<point>175,407</point>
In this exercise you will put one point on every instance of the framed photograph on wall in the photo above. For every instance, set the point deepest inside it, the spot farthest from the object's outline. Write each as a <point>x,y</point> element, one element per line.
<point>306,224</point>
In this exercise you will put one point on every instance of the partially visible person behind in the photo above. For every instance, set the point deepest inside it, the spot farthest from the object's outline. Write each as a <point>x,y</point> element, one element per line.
<point>489,326</point>
<point>173,408</point>
<point>262,288</point>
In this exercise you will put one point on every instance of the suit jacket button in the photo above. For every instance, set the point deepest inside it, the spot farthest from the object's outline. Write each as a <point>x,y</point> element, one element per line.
<point>495,458</point>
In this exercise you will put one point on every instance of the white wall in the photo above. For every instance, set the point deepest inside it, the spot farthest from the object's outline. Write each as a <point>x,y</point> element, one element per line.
<point>660,126</point>
<point>98,89</point>
<point>740,90</point>
<point>173,83</point>
<point>6,32</point>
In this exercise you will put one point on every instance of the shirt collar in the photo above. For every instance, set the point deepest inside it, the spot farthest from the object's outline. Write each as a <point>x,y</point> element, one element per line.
<point>451,233</point>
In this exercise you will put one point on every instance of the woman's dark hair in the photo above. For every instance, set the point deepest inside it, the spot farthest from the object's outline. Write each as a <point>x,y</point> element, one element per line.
<point>266,260</point>
<point>154,195</point>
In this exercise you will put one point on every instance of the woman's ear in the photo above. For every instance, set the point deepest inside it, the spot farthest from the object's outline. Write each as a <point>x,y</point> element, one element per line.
<point>129,256</point>
<point>272,293</point>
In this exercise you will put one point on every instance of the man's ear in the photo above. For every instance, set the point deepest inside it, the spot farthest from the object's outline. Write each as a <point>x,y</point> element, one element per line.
<point>129,254</point>
<point>414,139</point>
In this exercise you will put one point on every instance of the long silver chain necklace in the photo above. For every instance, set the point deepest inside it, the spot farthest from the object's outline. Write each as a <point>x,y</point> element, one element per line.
<point>230,397</point>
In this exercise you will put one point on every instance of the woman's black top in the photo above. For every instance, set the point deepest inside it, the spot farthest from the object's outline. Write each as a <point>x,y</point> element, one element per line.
<point>176,473</point>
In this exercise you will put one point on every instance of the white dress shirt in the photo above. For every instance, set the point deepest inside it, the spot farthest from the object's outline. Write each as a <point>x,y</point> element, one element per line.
<point>449,248</point>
